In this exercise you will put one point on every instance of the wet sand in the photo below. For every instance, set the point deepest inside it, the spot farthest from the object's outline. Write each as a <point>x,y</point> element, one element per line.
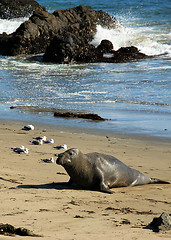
<point>34,194</point>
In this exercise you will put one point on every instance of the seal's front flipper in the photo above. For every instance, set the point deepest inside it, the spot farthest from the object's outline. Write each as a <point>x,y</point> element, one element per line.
<point>104,188</point>
<point>69,183</point>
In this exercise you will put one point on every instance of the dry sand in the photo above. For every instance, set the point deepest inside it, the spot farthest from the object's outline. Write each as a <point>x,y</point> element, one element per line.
<point>32,197</point>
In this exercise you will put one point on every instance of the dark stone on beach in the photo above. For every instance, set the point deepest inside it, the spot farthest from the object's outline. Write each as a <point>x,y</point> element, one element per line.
<point>18,8</point>
<point>90,116</point>
<point>125,221</point>
<point>35,35</point>
<point>12,107</point>
<point>161,223</point>
<point>8,229</point>
<point>78,216</point>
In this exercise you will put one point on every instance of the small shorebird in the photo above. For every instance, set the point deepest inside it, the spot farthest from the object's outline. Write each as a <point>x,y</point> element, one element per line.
<point>28,127</point>
<point>49,141</point>
<point>61,147</point>
<point>37,142</point>
<point>20,150</point>
<point>44,138</point>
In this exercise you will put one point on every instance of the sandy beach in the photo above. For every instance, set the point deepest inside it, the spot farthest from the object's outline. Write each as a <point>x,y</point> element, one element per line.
<point>34,196</point>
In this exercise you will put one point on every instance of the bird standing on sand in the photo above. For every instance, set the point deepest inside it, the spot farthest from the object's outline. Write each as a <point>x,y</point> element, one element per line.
<point>20,150</point>
<point>49,141</point>
<point>61,147</point>
<point>44,138</point>
<point>37,142</point>
<point>28,127</point>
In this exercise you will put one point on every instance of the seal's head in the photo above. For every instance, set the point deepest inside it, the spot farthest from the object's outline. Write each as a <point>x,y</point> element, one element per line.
<point>66,158</point>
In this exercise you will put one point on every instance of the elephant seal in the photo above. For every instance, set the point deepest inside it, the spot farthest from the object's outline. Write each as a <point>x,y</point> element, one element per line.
<point>100,172</point>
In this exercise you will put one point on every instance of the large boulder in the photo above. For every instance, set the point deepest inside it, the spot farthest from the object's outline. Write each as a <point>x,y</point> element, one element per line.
<point>126,54</point>
<point>69,49</point>
<point>162,223</point>
<point>18,8</point>
<point>105,46</point>
<point>34,35</point>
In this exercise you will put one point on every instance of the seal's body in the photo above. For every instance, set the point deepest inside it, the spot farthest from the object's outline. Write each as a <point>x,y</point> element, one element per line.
<point>100,172</point>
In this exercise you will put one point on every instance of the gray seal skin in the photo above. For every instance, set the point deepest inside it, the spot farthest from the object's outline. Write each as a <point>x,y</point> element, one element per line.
<point>100,172</point>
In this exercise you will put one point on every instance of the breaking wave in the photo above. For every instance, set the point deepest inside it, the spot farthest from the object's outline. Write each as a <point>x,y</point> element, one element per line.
<point>9,26</point>
<point>149,40</point>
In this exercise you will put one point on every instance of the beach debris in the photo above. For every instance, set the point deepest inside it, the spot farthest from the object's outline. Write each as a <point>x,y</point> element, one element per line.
<point>78,216</point>
<point>125,221</point>
<point>89,116</point>
<point>28,127</point>
<point>10,180</point>
<point>161,223</point>
<point>20,150</point>
<point>61,173</point>
<point>37,142</point>
<point>44,138</point>
<point>48,160</point>
<point>9,230</point>
<point>61,147</point>
<point>49,141</point>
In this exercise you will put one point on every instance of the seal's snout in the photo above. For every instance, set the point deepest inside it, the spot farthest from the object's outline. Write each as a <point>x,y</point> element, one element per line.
<point>66,158</point>
<point>58,159</point>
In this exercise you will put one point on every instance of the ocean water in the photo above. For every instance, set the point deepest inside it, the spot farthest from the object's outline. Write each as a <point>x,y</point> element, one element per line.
<point>135,96</point>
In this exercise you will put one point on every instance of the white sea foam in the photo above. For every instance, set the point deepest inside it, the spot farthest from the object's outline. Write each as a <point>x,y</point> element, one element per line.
<point>147,39</point>
<point>9,26</point>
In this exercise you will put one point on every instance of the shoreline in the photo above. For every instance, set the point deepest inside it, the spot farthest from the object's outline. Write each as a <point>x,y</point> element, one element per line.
<point>134,126</point>
<point>90,131</point>
<point>34,194</point>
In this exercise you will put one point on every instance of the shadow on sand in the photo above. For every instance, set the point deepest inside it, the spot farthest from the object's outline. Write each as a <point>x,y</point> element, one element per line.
<point>53,185</point>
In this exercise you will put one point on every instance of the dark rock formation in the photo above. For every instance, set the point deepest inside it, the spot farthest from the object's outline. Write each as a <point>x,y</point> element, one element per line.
<point>65,36</point>
<point>90,116</point>
<point>34,35</point>
<point>161,223</point>
<point>62,49</point>
<point>126,54</point>
<point>18,8</point>
<point>69,49</point>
